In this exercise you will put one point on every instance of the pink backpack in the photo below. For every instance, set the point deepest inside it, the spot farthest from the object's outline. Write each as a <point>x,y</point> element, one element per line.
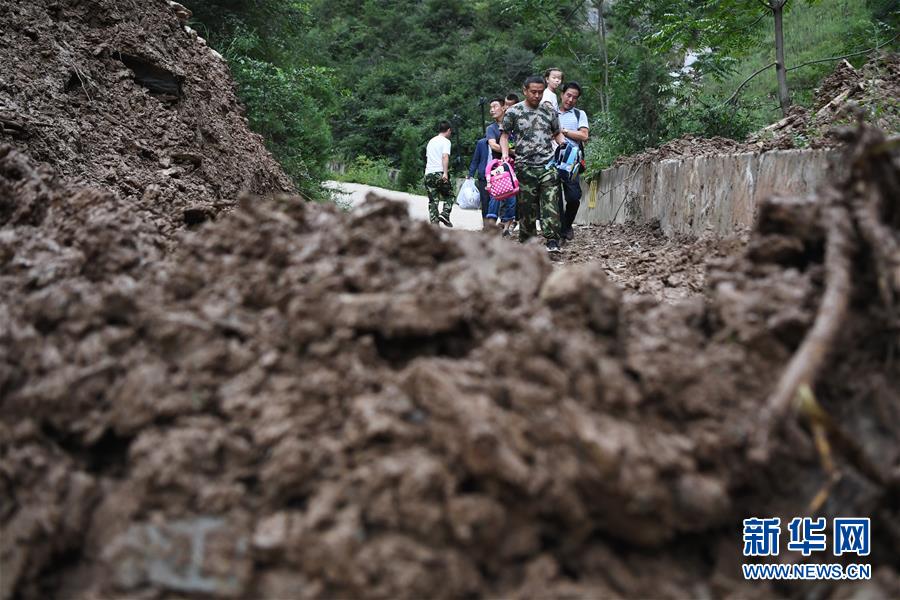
<point>501,180</point>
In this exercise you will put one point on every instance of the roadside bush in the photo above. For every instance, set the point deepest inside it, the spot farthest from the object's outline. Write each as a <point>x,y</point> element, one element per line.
<point>366,170</point>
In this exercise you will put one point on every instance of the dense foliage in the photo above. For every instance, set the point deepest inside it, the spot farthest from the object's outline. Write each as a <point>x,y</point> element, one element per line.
<point>367,81</point>
<point>408,64</point>
<point>291,98</point>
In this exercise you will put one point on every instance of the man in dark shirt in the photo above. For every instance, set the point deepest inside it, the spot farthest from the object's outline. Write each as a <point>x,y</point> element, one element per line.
<point>497,109</point>
<point>505,210</point>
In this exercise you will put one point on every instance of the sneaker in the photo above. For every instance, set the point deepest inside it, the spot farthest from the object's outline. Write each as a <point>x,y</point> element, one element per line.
<point>445,220</point>
<point>505,232</point>
<point>569,235</point>
<point>552,246</point>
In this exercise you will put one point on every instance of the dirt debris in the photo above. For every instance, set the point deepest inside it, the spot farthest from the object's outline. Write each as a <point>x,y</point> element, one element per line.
<point>683,147</point>
<point>311,403</point>
<point>871,91</point>
<point>121,95</point>
<point>641,259</point>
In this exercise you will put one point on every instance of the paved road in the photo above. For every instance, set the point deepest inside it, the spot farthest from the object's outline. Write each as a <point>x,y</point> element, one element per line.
<point>355,194</point>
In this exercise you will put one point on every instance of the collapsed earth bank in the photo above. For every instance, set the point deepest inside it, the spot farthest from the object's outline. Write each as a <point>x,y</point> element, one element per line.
<point>121,95</point>
<point>299,402</point>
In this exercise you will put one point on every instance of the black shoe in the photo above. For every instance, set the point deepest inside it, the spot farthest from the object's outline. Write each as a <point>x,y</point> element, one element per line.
<point>569,235</point>
<point>445,220</point>
<point>552,246</point>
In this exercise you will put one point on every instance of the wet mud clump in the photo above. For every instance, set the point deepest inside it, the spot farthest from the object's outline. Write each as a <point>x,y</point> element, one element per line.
<point>300,402</point>
<point>120,94</point>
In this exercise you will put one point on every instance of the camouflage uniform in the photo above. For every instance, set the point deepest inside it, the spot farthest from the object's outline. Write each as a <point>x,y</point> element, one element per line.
<point>534,129</point>
<point>538,199</point>
<point>438,190</point>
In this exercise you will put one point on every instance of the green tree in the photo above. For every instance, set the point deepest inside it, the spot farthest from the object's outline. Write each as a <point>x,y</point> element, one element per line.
<point>408,64</point>
<point>290,99</point>
<point>724,30</point>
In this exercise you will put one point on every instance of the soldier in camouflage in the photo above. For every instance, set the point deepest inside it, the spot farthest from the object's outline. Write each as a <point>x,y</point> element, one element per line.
<point>535,126</point>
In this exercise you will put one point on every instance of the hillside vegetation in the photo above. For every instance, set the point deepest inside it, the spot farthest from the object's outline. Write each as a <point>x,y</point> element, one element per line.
<point>812,32</point>
<point>365,83</point>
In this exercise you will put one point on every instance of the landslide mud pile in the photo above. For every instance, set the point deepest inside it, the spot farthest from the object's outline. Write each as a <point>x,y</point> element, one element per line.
<point>120,94</point>
<point>300,402</point>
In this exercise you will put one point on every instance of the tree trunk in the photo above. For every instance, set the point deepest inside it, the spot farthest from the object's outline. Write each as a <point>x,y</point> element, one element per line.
<point>784,96</point>
<point>604,100</point>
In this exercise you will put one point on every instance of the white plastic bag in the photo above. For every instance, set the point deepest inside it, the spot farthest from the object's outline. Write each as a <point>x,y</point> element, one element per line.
<point>468,197</point>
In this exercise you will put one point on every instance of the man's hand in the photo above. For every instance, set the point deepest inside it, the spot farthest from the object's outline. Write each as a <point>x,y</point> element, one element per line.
<point>504,147</point>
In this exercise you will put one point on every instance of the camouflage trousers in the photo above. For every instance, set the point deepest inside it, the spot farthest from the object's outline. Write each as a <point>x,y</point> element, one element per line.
<point>438,191</point>
<point>538,199</point>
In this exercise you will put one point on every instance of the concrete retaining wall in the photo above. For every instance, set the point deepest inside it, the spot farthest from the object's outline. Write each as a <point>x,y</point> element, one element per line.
<point>691,195</point>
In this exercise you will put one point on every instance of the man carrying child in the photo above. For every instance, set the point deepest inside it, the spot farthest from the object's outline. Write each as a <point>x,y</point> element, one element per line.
<point>535,125</point>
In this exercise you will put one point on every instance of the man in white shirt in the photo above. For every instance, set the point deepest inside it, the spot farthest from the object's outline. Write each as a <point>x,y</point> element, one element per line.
<point>573,124</point>
<point>437,175</point>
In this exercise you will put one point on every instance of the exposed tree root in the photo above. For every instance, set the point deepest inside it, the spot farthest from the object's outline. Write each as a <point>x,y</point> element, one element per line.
<point>808,360</point>
<point>859,214</point>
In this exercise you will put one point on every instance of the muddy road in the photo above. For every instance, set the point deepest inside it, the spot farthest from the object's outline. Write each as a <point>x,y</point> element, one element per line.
<point>639,258</point>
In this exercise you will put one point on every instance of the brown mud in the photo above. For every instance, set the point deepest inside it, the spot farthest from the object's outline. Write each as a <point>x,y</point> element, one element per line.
<point>301,402</point>
<point>291,401</point>
<point>641,259</point>
<point>121,95</point>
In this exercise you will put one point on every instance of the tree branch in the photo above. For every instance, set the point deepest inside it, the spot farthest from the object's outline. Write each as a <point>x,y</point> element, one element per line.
<point>753,24</point>
<point>745,82</point>
<point>560,26</point>
<point>821,60</point>
<point>766,4</point>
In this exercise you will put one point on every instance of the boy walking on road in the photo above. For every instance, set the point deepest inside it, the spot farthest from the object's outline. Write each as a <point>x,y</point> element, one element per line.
<point>437,175</point>
<point>535,125</point>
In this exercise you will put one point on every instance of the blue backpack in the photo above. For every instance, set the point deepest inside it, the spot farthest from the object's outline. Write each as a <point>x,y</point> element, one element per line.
<point>570,158</point>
